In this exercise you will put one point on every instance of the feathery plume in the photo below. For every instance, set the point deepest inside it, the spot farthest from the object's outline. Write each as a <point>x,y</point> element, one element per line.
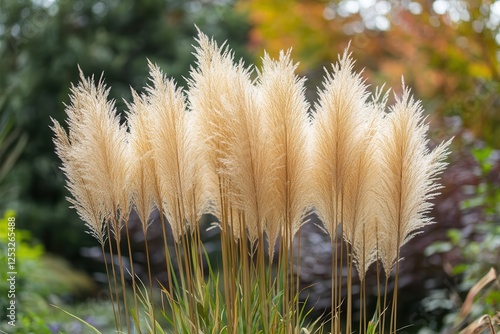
<point>209,85</point>
<point>86,205</point>
<point>341,135</point>
<point>142,175</point>
<point>176,161</point>
<point>212,100</point>
<point>248,154</point>
<point>285,110</point>
<point>98,143</point>
<point>408,174</point>
<point>361,190</point>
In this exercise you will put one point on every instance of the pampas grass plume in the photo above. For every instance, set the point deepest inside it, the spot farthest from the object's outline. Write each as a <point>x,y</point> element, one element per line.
<point>176,159</point>
<point>142,176</point>
<point>408,173</point>
<point>339,120</point>
<point>97,163</point>
<point>285,111</point>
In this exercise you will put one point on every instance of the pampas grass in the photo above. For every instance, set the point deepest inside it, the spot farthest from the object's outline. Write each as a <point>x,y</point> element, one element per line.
<point>284,108</point>
<point>342,164</point>
<point>96,165</point>
<point>247,151</point>
<point>408,181</point>
<point>283,103</point>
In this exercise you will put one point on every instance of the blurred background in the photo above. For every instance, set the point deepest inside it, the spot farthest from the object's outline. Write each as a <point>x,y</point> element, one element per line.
<point>447,51</point>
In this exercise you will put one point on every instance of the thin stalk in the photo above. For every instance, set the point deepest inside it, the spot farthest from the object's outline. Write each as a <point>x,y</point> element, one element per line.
<point>363,286</point>
<point>168,258</point>
<point>279,279</point>
<point>349,291</point>
<point>150,278</point>
<point>197,243</point>
<point>362,308</point>
<point>385,301</point>
<point>132,272</point>
<point>341,267</point>
<point>287,278</point>
<point>225,249</point>
<point>247,278</point>
<point>334,281</point>
<point>109,284</point>
<point>189,287</point>
<point>181,284</point>
<point>290,286</point>
<point>334,238</point>
<point>377,264</point>
<point>395,298</point>
<point>233,266</point>
<point>362,293</point>
<point>115,282</point>
<point>122,278</point>
<point>197,246</point>
<point>398,236</point>
<point>262,280</point>
<point>297,288</point>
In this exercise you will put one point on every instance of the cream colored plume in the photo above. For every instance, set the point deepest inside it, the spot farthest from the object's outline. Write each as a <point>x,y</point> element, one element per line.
<point>341,134</point>
<point>408,172</point>
<point>360,223</point>
<point>215,88</point>
<point>88,207</point>
<point>248,154</point>
<point>282,100</point>
<point>142,177</point>
<point>175,153</point>
<point>98,151</point>
<point>210,86</point>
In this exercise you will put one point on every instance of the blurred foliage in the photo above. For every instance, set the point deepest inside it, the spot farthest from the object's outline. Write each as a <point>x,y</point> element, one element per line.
<point>41,44</point>
<point>477,246</point>
<point>447,51</point>
<point>40,280</point>
<point>12,144</point>
<point>26,257</point>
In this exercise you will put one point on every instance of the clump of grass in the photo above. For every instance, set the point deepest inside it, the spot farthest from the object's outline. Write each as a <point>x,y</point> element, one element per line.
<point>247,151</point>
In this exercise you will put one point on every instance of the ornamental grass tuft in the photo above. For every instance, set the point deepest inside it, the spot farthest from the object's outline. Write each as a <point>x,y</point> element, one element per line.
<point>244,145</point>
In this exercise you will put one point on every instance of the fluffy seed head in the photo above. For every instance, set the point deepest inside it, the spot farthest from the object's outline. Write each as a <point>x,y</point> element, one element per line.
<point>408,174</point>
<point>282,100</point>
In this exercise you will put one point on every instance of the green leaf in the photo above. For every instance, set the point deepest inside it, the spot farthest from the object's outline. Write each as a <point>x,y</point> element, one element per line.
<point>438,247</point>
<point>455,235</point>
<point>459,269</point>
<point>483,156</point>
<point>95,330</point>
<point>493,298</point>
